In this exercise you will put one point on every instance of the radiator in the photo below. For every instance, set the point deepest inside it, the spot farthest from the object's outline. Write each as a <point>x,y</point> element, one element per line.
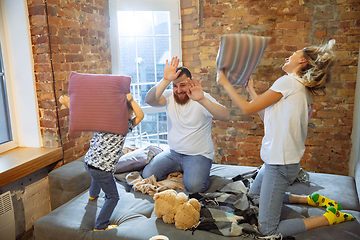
<point>7,219</point>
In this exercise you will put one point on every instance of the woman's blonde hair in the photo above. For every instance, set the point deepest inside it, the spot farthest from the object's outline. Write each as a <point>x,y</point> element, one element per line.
<point>316,74</point>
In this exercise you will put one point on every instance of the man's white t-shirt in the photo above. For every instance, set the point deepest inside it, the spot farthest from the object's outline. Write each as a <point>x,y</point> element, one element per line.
<point>286,123</point>
<point>189,126</point>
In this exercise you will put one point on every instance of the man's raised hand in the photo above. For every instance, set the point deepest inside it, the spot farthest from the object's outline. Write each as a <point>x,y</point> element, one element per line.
<point>170,73</point>
<point>195,91</point>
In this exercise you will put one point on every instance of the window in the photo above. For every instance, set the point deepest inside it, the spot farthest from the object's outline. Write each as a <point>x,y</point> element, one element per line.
<point>5,125</point>
<point>19,118</point>
<point>144,35</point>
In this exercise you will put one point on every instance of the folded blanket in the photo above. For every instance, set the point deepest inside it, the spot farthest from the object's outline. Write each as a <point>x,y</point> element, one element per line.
<point>151,186</point>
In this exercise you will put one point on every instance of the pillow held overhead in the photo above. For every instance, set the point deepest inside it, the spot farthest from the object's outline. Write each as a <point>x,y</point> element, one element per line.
<point>98,103</point>
<point>239,55</point>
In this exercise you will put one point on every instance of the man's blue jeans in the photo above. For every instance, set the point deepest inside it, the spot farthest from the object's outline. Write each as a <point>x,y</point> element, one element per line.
<point>195,168</point>
<point>105,181</point>
<point>271,183</point>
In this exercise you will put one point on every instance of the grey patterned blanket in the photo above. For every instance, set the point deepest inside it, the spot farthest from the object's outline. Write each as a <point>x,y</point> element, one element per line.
<point>231,211</point>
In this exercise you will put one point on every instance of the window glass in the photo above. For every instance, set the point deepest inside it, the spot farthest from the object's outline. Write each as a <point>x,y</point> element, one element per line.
<point>161,22</point>
<point>144,39</point>
<point>144,45</point>
<point>5,126</point>
<point>152,130</point>
<point>128,57</point>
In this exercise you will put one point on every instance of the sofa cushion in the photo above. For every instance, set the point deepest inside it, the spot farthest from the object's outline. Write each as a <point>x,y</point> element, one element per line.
<point>134,213</point>
<point>347,230</point>
<point>336,187</point>
<point>67,182</point>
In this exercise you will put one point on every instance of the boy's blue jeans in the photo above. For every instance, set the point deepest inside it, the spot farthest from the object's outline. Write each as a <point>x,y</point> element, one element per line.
<point>105,181</point>
<point>195,168</point>
<point>271,183</point>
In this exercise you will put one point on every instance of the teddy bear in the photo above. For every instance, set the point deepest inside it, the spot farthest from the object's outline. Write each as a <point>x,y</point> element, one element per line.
<point>175,207</point>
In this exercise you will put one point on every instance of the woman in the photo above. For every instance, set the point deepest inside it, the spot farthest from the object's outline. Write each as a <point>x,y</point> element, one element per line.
<point>286,109</point>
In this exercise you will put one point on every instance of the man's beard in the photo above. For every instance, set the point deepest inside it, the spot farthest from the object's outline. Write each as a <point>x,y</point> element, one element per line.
<point>182,101</point>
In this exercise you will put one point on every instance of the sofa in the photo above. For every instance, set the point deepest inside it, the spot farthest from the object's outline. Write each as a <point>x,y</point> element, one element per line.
<point>73,214</point>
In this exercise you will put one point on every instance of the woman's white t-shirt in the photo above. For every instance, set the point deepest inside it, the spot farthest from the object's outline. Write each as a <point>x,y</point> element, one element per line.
<point>189,126</point>
<point>286,123</point>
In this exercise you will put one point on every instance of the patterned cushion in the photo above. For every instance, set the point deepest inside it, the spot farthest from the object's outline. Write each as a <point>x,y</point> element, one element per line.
<point>239,55</point>
<point>98,103</point>
<point>137,160</point>
<point>153,151</point>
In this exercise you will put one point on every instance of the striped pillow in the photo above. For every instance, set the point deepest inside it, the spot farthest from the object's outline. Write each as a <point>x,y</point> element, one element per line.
<point>98,103</point>
<point>239,55</point>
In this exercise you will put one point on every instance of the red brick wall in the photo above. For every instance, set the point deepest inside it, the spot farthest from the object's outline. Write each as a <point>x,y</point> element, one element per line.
<point>67,35</point>
<point>292,25</point>
<point>79,41</point>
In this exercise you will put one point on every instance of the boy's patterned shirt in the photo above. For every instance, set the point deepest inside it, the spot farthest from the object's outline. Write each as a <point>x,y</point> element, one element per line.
<point>106,149</point>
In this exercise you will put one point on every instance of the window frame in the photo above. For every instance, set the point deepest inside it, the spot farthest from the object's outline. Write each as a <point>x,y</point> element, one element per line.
<point>19,75</point>
<point>145,5</point>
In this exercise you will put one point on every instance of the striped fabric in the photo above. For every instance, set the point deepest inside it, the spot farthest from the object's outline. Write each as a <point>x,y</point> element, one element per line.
<point>239,55</point>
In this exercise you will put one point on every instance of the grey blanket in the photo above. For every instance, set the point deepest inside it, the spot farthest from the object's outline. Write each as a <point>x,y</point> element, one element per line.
<point>230,210</point>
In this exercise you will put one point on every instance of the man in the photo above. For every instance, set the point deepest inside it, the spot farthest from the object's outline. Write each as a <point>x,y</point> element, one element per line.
<point>189,117</point>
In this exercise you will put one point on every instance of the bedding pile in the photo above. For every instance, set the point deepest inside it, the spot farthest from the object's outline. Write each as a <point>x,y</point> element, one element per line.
<point>227,211</point>
<point>150,186</point>
<point>230,211</point>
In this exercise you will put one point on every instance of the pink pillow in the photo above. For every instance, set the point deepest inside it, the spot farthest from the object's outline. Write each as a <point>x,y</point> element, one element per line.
<point>239,55</point>
<point>98,103</point>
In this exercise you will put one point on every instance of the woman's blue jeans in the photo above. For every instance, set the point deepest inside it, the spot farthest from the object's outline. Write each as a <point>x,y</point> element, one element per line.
<point>105,181</point>
<point>195,168</point>
<point>271,183</point>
